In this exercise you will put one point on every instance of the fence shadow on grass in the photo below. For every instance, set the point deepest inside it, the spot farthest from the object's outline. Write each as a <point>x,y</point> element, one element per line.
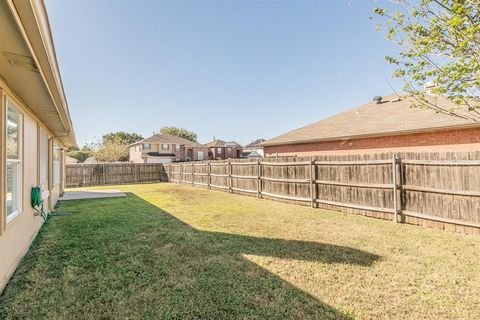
<point>159,266</point>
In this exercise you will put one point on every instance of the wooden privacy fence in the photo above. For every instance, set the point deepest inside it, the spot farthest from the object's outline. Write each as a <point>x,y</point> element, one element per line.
<point>440,190</point>
<point>437,193</point>
<point>85,175</point>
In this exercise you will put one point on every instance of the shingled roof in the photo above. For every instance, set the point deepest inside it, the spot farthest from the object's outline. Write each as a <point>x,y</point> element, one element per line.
<point>255,143</point>
<point>221,143</point>
<point>216,143</point>
<point>391,116</point>
<point>167,139</point>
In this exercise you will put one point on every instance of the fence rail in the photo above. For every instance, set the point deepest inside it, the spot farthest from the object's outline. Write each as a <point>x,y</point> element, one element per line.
<point>435,190</point>
<point>86,175</point>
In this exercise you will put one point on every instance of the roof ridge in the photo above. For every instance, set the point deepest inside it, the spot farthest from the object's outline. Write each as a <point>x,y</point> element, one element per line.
<point>392,116</point>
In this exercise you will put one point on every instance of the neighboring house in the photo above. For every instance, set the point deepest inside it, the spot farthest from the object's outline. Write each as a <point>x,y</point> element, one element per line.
<point>70,160</point>
<point>251,154</point>
<point>387,125</point>
<point>35,127</point>
<point>165,149</point>
<point>255,146</point>
<point>219,149</point>
<point>91,160</point>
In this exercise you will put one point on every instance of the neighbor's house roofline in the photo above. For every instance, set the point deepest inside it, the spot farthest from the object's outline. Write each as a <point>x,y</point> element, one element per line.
<point>217,143</point>
<point>167,139</point>
<point>392,116</point>
<point>372,135</point>
<point>254,143</point>
<point>32,21</point>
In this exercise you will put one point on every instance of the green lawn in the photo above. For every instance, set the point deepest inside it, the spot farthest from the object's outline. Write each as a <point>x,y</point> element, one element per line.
<point>176,252</point>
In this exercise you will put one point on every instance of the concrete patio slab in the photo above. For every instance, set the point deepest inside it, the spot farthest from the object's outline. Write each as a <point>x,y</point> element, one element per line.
<point>92,194</point>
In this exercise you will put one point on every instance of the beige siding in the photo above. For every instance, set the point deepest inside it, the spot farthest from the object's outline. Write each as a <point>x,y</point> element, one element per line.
<point>17,235</point>
<point>159,159</point>
<point>136,154</point>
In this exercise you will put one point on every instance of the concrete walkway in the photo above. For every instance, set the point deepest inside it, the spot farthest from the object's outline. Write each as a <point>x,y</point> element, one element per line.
<point>92,194</point>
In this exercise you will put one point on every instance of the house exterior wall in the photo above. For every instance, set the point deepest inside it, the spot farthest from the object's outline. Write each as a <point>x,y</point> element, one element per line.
<point>224,153</point>
<point>154,147</point>
<point>467,139</point>
<point>230,152</point>
<point>158,160</point>
<point>17,235</point>
<point>179,155</point>
<point>137,154</point>
<point>215,154</point>
<point>203,150</point>
<point>233,153</point>
<point>237,152</point>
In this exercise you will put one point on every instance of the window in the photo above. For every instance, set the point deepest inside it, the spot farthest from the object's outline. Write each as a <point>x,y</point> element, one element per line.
<point>14,162</point>
<point>177,147</point>
<point>147,146</point>
<point>56,164</point>
<point>43,158</point>
<point>164,146</point>
<point>229,150</point>
<point>219,150</point>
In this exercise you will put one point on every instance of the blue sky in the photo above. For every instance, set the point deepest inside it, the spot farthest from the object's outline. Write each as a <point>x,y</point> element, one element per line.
<point>236,70</point>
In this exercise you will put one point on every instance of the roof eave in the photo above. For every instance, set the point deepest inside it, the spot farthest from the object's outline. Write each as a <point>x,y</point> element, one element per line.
<point>371,135</point>
<point>32,20</point>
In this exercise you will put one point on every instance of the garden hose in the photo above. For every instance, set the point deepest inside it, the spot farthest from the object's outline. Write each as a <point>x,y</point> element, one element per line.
<point>37,202</point>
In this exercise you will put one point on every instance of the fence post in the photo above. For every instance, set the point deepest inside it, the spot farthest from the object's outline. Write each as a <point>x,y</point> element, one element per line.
<point>193,174</point>
<point>180,173</point>
<point>229,169</point>
<point>84,171</point>
<point>103,171</point>
<point>209,181</point>
<point>394,179</point>
<point>259,182</point>
<point>312,184</point>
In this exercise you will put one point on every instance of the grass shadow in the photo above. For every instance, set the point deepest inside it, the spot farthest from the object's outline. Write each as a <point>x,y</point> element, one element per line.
<point>127,258</point>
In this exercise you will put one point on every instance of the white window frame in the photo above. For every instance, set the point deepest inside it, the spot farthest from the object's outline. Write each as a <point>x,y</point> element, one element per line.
<point>19,162</point>
<point>145,146</point>
<point>163,145</point>
<point>219,150</point>
<point>178,147</point>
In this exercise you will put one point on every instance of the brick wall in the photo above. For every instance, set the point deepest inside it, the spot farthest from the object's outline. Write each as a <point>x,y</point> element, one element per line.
<point>446,140</point>
<point>224,152</point>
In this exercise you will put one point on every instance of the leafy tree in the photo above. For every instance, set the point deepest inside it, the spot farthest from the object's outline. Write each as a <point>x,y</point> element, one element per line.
<point>83,153</point>
<point>112,152</point>
<point>112,148</point>
<point>439,44</point>
<point>121,137</point>
<point>179,132</point>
